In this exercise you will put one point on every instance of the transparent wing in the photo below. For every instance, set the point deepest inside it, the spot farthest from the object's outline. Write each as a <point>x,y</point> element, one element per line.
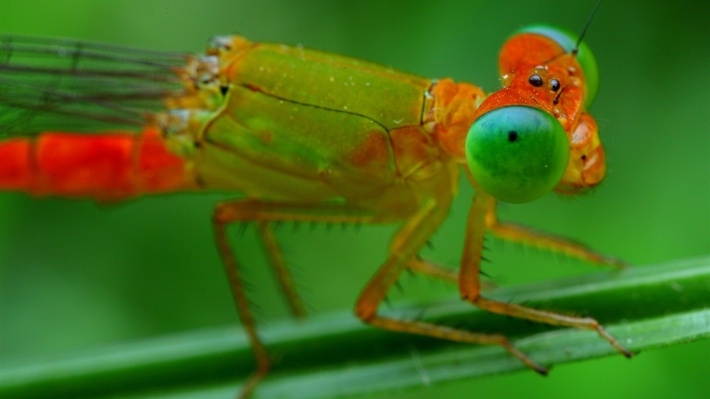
<point>60,84</point>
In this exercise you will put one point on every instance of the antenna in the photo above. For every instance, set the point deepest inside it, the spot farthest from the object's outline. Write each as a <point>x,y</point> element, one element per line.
<point>586,25</point>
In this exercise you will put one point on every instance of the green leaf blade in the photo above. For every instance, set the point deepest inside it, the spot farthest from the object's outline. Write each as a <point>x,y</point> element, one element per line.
<point>335,356</point>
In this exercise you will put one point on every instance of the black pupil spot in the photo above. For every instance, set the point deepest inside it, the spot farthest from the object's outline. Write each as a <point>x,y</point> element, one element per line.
<point>512,136</point>
<point>554,84</point>
<point>535,80</point>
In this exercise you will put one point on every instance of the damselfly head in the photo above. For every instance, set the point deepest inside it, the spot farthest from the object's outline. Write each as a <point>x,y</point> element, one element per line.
<point>545,139</point>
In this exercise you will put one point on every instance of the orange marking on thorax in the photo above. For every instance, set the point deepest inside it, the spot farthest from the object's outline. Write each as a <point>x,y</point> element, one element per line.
<point>454,111</point>
<point>373,152</point>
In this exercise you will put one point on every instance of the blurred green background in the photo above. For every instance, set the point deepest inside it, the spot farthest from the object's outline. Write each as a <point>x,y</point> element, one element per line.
<point>74,274</point>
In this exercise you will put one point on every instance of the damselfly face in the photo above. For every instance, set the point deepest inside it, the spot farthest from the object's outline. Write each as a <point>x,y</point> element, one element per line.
<point>549,71</point>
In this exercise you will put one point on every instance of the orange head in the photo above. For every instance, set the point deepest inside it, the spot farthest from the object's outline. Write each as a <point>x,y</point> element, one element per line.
<point>542,136</point>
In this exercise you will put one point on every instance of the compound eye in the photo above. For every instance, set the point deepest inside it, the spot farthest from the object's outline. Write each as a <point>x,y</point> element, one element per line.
<point>517,153</point>
<point>535,80</point>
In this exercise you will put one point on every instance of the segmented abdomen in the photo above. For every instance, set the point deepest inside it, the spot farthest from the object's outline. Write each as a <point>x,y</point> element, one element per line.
<point>105,167</point>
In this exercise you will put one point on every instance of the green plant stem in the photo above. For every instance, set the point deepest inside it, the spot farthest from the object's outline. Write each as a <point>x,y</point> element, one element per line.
<point>334,355</point>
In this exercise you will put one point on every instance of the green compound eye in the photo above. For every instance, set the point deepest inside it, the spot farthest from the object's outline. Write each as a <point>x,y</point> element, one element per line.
<point>517,154</point>
<point>585,57</point>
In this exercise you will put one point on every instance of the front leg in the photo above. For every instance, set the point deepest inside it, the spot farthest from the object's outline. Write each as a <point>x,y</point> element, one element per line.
<point>405,245</point>
<point>469,281</point>
<point>527,236</point>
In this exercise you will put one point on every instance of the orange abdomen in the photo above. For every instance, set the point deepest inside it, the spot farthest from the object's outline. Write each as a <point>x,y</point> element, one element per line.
<point>105,167</point>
